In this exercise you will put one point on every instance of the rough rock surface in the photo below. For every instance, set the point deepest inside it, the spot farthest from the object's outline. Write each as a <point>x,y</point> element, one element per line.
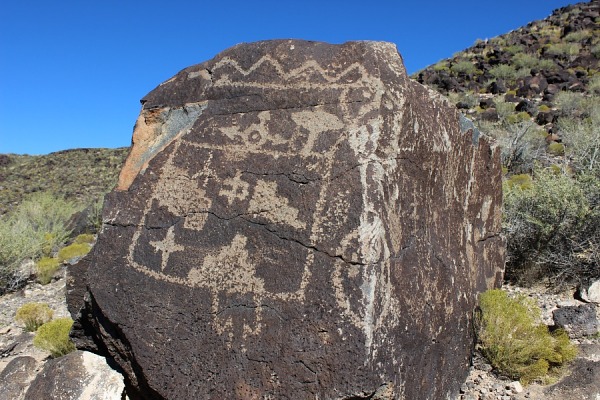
<point>79,375</point>
<point>578,321</point>
<point>295,220</point>
<point>16,377</point>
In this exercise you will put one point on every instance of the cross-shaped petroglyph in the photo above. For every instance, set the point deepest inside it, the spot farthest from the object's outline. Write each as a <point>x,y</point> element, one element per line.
<point>229,269</point>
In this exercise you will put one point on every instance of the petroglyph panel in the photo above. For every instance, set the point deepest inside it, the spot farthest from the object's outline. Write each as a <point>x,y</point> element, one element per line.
<point>293,222</point>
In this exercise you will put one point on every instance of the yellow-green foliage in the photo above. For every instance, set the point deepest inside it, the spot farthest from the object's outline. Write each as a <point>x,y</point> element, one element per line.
<point>53,336</point>
<point>45,269</point>
<point>84,238</point>
<point>578,36</point>
<point>519,117</point>
<point>544,108</point>
<point>557,149</point>
<point>524,60</point>
<point>35,227</point>
<point>33,315</point>
<point>463,67</point>
<point>520,181</point>
<point>514,342</point>
<point>563,49</point>
<point>73,251</point>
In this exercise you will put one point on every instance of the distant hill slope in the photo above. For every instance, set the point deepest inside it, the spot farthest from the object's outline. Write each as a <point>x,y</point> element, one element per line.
<point>527,67</point>
<point>78,174</point>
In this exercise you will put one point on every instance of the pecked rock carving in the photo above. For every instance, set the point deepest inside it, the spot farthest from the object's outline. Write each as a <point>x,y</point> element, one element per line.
<point>295,220</point>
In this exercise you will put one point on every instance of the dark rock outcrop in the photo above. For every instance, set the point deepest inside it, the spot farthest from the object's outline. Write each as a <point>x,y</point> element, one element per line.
<point>16,376</point>
<point>77,376</point>
<point>578,321</point>
<point>294,220</point>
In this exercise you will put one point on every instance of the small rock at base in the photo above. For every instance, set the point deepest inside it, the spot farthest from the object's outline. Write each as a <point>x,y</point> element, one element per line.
<point>516,386</point>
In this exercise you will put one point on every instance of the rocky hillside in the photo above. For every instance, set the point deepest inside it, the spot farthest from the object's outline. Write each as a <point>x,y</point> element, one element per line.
<point>527,68</point>
<point>78,174</point>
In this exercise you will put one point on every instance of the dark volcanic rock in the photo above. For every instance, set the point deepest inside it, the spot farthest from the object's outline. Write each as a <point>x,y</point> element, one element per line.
<point>295,220</point>
<point>578,321</point>
<point>77,376</point>
<point>16,376</point>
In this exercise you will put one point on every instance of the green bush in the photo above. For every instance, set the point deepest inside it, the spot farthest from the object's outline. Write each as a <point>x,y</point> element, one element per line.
<point>53,336</point>
<point>17,242</point>
<point>578,36</point>
<point>73,251</point>
<point>87,238</point>
<point>520,181</point>
<point>548,65</point>
<point>514,342</point>
<point>582,136</point>
<point>557,149</point>
<point>508,72</point>
<point>566,50</point>
<point>520,143</point>
<point>33,315</point>
<point>570,103</point>
<point>524,60</point>
<point>45,269</point>
<point>594,84</point>
<point>36,226</point>
<point>518,117</point>
<point>463,67</point>
<point>552,228</point>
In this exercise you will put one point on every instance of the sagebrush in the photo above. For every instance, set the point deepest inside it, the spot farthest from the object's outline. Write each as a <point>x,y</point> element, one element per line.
<point>34,315</point>
<point>53,336</point>
<point>513,340</point>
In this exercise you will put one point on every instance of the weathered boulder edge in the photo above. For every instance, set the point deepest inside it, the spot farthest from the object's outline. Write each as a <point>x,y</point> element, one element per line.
<point>296,220</point>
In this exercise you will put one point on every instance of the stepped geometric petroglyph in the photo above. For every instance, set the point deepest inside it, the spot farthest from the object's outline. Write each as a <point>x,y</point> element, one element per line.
<point>295,220</point>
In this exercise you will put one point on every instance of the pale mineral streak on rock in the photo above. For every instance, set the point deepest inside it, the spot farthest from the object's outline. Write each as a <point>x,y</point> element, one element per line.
<point>154,130</point>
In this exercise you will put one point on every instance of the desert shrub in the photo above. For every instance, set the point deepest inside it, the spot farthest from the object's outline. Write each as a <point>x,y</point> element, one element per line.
<point>508,72</point>
<point>464,97</point>
<point>33,315</point>
<point>565,50</point>
<point>73,251</point>
<point>594,84</point>
<point>53,336</point>
<point>521,144</point>
<point>36,226</point>
<point>544,108</point>
<point>45,268</point>
<point>518,117</point>
<point>520,181</point>
<point>441,66</point>
<point>547,65</point>
<point>514,49</point>
<point>514,342</point>
<point>552,228</point>
<point>87,238</point>
<point>569,102</point>
<point>582,137</point>
<point>557,149</point>
<point>578,36</point>
<point>524,60</point>
<point>503,108</point>
<point>463,67</point>
<point>17,242</point>
<point>595,50</point>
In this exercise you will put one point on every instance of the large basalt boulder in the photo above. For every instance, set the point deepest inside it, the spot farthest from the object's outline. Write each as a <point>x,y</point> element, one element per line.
<point>295,220</point>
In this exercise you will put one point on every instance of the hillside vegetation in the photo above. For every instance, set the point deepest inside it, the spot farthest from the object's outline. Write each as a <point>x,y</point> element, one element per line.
<point>79,175</point>
<point>536,90</point>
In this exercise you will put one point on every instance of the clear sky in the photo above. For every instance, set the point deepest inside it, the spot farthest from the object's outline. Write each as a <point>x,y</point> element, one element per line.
<point>72,71</point>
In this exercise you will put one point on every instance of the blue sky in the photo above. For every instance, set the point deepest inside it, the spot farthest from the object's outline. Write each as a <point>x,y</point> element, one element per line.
<point>72,72</point>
